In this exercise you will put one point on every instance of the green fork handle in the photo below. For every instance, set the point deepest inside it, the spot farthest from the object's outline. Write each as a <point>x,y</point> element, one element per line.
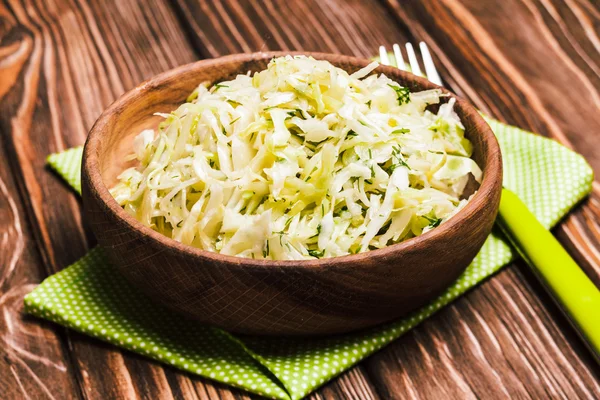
<point>574,292</point>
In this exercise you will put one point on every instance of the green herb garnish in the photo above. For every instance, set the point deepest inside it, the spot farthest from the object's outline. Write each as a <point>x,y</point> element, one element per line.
<point>402,93</point>
<point>433,222</point>
<point>400,162</point>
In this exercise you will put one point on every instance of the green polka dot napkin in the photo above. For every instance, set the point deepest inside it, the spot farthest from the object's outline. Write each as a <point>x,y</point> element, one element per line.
<point>90,296</point>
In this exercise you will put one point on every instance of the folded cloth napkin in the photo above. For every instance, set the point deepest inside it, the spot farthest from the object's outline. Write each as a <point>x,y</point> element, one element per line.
<point>91,297</point>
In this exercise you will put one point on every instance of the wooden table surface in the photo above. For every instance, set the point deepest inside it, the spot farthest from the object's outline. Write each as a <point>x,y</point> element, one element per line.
<point>532,63</point>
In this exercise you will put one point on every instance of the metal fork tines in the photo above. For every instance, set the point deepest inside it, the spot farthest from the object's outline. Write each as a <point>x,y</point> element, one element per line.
<point>430,70</point>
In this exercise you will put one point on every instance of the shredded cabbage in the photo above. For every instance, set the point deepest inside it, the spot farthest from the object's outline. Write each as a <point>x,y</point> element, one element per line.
<point>300,161</point>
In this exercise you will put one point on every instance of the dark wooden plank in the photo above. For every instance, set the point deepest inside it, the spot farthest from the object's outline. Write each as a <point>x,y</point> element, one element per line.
<point>34,362</point>
<point>522,352</point>
<point>229,26</point>
<point>479,347</point>
<point>62,63</point>
<point>352,384</point>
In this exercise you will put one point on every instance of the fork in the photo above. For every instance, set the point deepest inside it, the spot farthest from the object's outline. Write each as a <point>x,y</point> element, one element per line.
<point>569,286</point>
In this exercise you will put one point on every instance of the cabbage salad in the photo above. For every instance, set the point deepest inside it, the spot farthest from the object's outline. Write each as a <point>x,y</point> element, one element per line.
<point>300,161</point>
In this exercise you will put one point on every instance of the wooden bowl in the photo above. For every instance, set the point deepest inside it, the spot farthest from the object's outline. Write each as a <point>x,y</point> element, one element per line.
<point>307,297</point>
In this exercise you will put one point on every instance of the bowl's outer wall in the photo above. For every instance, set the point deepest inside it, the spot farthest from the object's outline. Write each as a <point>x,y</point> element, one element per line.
<point>292,298</point>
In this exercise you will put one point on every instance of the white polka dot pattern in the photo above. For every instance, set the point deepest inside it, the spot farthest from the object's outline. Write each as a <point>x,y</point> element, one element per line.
<point>90,297</point>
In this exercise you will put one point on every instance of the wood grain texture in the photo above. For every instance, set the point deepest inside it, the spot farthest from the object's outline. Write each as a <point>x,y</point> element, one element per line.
<point>352,384</point>
<point>33,359</point>
<point>463,353</point>
<point>54,53</point>
<point>62,63</point>
<point>352,28</point>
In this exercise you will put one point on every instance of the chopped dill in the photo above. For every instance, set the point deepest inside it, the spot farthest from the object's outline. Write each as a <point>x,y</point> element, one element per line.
<point>433,222</point>
<point>402,93</point>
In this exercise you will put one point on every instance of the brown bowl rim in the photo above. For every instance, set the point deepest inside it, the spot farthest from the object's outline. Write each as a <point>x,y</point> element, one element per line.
<point>491,171</point>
